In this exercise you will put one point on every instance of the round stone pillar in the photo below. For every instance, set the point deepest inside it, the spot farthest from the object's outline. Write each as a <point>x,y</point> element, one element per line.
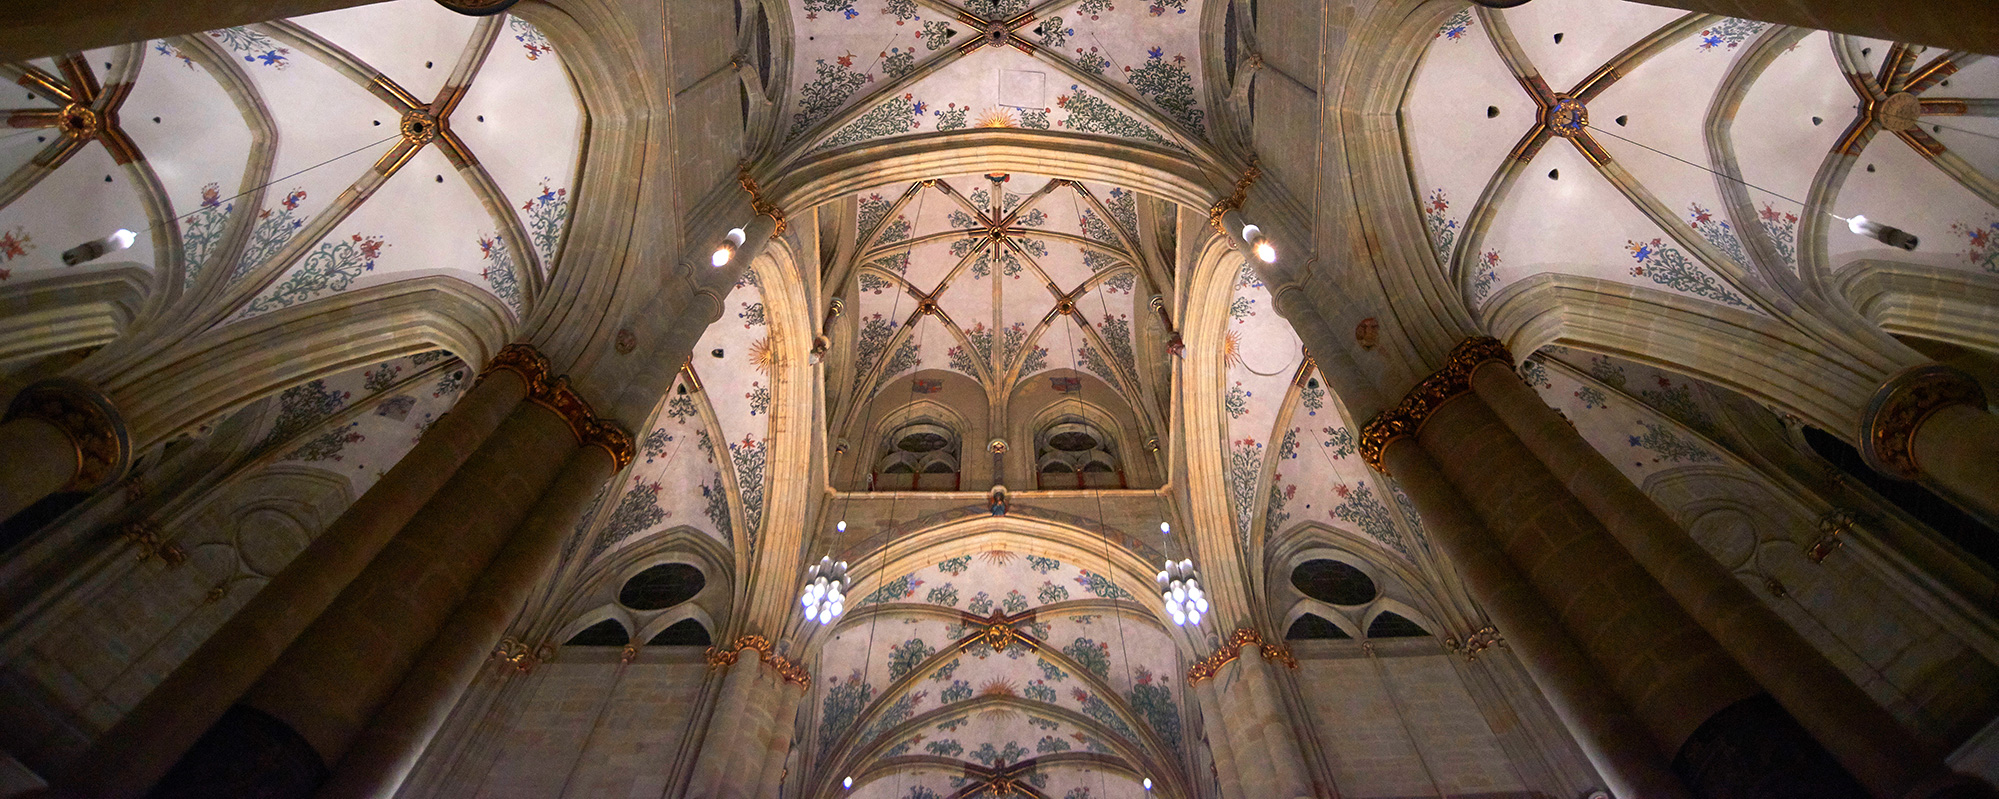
<point>383,754</point>
<point>1929,423</point>
<point>59,435</point>
<point>131,756</point>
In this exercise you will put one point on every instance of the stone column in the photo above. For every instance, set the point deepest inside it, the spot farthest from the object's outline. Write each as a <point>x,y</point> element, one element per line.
<point>755,691</point>
<point>50,29</point>
<point>1214,727</point>
<point>331,682</point>
<point>384,753</point>
<point>1956,24</point>
<point>127,759</point>
<point>59,435</point>
<point>1268,760</point>
<point>1630,763</point>
<point>1866,740</point>
<point>1929,423</point>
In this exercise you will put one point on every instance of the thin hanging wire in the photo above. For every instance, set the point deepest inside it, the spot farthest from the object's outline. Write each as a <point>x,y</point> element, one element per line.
<point>866,394</point>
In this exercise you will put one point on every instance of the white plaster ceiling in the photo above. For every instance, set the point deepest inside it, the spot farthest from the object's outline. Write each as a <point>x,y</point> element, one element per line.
<point>193,111</point>
<point>872,69</point>
<point>998,322</point>
<point>1646,219</point>
<point>898,701</point>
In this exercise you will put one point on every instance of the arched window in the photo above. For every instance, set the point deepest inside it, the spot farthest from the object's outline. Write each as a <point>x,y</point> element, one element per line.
<point>1072,453</point>
<point>919,456</point>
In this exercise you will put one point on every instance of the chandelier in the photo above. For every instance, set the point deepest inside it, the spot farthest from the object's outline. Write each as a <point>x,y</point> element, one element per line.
<point>1180,589</point>
<point>826,585</point>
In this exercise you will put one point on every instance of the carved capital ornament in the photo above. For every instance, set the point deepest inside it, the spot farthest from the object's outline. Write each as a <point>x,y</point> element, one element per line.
<point>1899,409</point>
<point>1232,649</point>
<point>92,424</point>
<point>1446,384</point>
<point>555,394</point>
<point>789,671</point>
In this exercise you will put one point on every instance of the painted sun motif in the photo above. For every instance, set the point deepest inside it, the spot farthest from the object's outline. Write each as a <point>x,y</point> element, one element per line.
<point>762,355</point>
<point>998,118</point>
<point>998,686</point>
<point>998,557</point>
<point>1231,350</point>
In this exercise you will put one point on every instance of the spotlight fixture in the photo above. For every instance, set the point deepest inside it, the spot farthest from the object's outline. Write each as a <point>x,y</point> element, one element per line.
<point>1180,589</point>
<point>1891,236</point>
<point>1259,244</point>
<point>825,596</point>
<point>727,249</point>
<point>93,250</point>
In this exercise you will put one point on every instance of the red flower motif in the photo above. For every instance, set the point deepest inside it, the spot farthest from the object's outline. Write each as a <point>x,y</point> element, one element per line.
<point>846,60</point>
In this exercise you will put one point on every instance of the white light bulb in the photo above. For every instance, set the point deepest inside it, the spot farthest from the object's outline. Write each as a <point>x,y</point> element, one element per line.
<point>1200,606</point>
<point>1179,619</point>
<point>1194,618</point>
<point>1265,252</point>
<point>124,238</point>
<point>1148,783</point>
<point>847,783</point>
<point>826,615</point>
<point>1165,529</point>
<point>721,256</point>
<point>842,527</point>
<point>1179,593</point>
<point>805,601</point>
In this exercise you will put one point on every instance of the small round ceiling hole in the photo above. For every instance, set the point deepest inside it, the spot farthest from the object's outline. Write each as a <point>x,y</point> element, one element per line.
<point>1866,51</point>
<point>107,178</point>
<point>1623,120</point>
<point>1558,38</point>
<point>1554,174</point>
<point>378,123</point>
<point>429,64</point>
<point>1817,122</point>
<point>482,117</point>
<point>1870,167</point>
<point>717,352</point>
<point>440,178</point>
<point>156,120</point>
<point>1491,111</point>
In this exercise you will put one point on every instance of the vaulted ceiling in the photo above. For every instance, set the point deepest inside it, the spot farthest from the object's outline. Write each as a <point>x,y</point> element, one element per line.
<point>1643,101</point>
<point>271,165</point>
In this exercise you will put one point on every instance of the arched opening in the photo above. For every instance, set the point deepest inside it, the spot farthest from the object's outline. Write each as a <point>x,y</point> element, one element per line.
<point>1311,627</point>
<point>1073,454</point>
<point>1391,625</point>
<point>661,587</point>
<point>1333,583</point>
<point>604,633</point>
<point>919,456</point>
<point>686,632</point>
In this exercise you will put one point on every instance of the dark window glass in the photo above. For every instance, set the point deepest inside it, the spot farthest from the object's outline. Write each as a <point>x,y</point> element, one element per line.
<point>604,633</point>
<point>1333,582</point>
<point>661,587</point>
<point>1389,625</point>
<point>1309,627</point>
<point>686,632</point>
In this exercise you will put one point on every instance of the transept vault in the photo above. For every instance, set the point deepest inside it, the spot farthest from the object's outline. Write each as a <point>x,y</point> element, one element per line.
<point>924,399</point>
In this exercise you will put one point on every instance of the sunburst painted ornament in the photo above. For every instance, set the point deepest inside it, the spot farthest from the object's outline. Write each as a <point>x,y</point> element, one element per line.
<point>997,118</point>
<point>762,355</point>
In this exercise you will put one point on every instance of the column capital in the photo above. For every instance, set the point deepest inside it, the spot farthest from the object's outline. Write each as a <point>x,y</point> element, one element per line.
<point>1899,408</point>
<point>727,656</point>
<point>555,394</point>
<point>93,424</point>
<point>1232,649</point>
<point>1443,385</point>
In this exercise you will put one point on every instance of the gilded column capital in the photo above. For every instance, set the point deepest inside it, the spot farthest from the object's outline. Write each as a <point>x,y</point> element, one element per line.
<point>555,394</point>
<point>1232,648</point>
<point>1236,198</point>
<point>1901,406</point>
<point>1446,384</point>
<point>757,202</point>
<point>791,672</point>
<point>92,423</point>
